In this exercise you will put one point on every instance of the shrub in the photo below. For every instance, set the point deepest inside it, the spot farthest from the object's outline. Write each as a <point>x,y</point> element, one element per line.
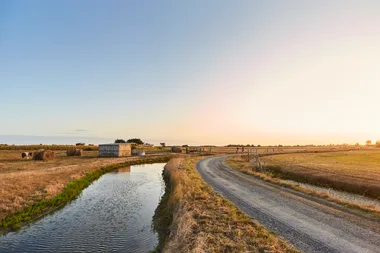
<point>135,140</point>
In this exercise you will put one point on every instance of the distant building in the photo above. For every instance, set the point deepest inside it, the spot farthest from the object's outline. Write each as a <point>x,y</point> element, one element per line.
<point>115,149</point>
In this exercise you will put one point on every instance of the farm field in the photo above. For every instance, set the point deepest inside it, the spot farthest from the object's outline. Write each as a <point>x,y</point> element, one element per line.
<point>352,171</point>
<point>22,182</point>
<point>219,150</point>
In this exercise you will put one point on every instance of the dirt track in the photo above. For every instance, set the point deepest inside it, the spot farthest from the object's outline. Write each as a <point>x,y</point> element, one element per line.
<point>310,224</point>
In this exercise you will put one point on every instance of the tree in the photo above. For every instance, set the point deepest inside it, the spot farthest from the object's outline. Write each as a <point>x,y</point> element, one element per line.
<point>369,142</point>
<point>163,144</point>
<point>135,140</point>
<point>119,141</point>
<point>377,144</point>
<point>80,144</point>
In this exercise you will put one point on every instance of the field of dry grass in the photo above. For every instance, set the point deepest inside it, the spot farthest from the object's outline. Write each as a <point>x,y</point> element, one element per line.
<point>274,150</point>
<point>199,220</point>
<point>50,147</point>
<point>351,171</point>
<point>355,202</point>
<point>23,182</point>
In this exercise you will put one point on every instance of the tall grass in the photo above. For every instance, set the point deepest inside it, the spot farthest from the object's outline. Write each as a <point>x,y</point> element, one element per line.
<point>193,218</point>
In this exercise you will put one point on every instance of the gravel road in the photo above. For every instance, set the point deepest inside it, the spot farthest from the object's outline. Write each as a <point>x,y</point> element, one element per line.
<point>310,224</point>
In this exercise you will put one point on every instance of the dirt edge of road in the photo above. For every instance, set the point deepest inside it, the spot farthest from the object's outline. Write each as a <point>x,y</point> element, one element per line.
<point>310,225</point>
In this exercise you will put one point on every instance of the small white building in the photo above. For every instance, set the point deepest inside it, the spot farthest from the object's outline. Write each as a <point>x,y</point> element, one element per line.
<point>115,149</point>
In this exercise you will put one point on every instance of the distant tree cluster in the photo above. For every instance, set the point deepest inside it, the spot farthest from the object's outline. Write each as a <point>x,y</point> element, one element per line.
<point>133,140</point>
<point>240,145</point>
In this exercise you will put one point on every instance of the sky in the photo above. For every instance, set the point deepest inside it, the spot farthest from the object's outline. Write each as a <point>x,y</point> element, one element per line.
<point>197,72</point>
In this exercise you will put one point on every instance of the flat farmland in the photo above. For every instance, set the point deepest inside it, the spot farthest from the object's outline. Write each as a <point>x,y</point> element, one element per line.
<point>353,171</point>
<point>23,182</point>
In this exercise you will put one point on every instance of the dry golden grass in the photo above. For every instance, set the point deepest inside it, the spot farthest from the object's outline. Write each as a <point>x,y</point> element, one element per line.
<point>270,150</point>
<point>351,171</point>
<point>50,147</point>
<point>22,182</point>
<point>205,222</point>
<point>241,164</point>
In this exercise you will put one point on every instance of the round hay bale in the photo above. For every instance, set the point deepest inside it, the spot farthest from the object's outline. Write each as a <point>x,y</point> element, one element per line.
<point>44,155</point>
<point>74,152</point>
<point>79,152</point>
<point>37,154</point>
<point>177,149</point>
<point>70,152</point>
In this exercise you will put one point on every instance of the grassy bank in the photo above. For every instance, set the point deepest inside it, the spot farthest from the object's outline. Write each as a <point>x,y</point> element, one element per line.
<point>246,167</point>
<point>193,218</point>
<point>70,192</point>
<point>355,171</point>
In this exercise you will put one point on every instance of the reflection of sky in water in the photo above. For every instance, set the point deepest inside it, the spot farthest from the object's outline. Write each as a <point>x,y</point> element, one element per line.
<point>113,214</point>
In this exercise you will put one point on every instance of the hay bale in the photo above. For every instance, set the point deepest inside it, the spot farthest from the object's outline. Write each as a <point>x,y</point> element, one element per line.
<point>70,152</point>
<point>74,152</point>
<point>44,155</point>
<point>177,149</point>
<point>79,152</point>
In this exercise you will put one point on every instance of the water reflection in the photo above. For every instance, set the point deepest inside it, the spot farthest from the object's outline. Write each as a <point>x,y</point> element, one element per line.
<point>113,214</point>
<point>125,169</point>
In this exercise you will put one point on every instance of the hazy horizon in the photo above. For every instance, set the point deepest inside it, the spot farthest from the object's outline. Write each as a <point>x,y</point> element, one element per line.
<point>68,140</point>
<point>198,72</point>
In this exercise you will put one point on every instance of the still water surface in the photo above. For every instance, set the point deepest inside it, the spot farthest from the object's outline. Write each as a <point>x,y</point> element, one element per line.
<point>114,214</point>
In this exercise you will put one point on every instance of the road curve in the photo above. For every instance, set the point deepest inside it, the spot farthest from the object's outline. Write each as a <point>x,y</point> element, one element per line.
<point>310,224</point>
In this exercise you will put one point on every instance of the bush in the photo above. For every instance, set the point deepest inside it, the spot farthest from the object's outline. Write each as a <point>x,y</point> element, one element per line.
<point>135,140</point>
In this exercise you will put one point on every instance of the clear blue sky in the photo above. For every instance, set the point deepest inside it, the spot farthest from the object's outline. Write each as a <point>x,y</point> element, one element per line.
<point>190,71</point>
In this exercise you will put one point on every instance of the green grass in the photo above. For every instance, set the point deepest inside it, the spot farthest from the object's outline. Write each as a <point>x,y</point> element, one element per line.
<point>71,192</point>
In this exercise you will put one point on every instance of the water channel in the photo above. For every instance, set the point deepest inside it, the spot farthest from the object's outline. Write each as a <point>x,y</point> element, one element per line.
<point>114,214</point>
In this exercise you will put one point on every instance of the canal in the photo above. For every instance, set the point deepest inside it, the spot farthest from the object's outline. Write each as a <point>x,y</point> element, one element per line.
<point>114,214</point>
